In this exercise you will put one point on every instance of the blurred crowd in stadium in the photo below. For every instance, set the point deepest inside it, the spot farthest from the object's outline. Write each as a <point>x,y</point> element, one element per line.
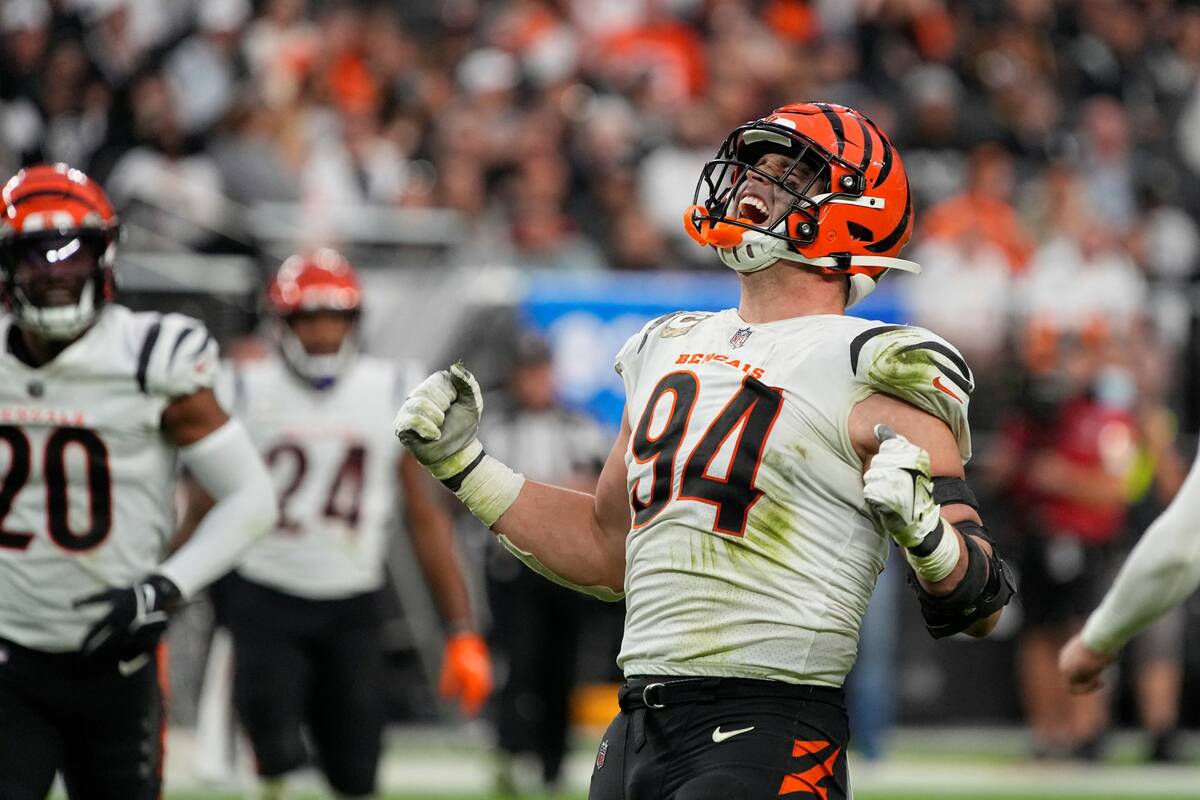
<point>1053,148</point>
<point>1050,144</point>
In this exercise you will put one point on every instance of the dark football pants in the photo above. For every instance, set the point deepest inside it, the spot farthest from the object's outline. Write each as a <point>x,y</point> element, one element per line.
<point>536,625</point>
<point>723,739</point>
<point>62,712</point>
<point>312,666</point>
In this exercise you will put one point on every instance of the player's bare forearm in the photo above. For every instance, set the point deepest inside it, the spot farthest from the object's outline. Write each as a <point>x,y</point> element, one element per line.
<point>432,534</point>
<point>580,537</point>
<point>561,528</point>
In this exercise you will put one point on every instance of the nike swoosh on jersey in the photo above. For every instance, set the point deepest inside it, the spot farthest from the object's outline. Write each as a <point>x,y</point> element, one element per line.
<point>941,387</point>
<point>719,735</point>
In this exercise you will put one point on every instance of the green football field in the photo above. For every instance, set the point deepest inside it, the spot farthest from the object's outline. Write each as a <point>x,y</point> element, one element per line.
<point>952,764</point>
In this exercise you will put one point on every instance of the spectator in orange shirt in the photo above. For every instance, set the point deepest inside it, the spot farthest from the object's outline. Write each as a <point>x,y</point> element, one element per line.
<point>985,209</point>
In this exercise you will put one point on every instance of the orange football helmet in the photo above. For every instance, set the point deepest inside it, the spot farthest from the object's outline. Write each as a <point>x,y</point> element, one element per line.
<point>322,281</point>
<point>849,209</point>
<point>58,236</point>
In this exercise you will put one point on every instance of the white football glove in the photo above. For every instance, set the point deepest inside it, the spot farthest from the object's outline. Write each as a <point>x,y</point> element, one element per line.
<point>899,490</point>
<point>439,424</point>
<point>439,421</point>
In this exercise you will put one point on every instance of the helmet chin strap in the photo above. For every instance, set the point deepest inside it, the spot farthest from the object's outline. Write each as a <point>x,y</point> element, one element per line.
<point>57,323</point>
<point>322,371</point>
<point>758,251</point>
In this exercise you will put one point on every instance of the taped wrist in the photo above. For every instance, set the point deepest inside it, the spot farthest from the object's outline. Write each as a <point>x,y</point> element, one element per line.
<point>936,555</point>
<point>985,588</point>
<point>487,487</point>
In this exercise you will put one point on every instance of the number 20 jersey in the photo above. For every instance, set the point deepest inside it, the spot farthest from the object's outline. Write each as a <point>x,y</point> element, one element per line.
<point>87,479</point>
<point>752,553</point>
<point>335,470</point>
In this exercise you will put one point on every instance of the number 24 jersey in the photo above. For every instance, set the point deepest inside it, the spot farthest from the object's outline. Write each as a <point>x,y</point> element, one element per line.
<point>335,473</point>
<point>752,553</point>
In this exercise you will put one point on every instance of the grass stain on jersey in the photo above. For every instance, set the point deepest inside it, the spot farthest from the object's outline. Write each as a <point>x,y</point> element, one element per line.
<point>771,528</point>
<point>909,371</point>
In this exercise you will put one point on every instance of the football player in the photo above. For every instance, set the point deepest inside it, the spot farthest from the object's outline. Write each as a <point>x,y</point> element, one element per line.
<point>305,603</point>
<point>97,405</point>
<point>768,454</point>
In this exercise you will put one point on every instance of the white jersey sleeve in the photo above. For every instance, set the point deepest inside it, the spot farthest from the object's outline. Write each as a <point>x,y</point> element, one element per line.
<point>628,362</point>
<point>920,368</point>
<point>179,357</point>
<point>1162,570</point>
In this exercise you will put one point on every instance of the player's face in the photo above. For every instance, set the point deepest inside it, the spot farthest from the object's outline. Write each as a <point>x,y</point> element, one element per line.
<point>762,201</point>
<point>321,333</point>
<point>53,271</point>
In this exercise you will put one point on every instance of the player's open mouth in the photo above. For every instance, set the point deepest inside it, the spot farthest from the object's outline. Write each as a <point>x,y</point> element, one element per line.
<point>754,209</point>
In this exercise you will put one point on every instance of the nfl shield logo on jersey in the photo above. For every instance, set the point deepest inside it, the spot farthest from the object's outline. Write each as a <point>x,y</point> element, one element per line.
<point>740,336</point>
<point>601,754</point>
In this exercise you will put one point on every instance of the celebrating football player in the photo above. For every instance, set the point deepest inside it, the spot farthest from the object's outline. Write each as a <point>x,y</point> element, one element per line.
<point>768,454</point>
<point>97,404</point>
<point>304,605</point>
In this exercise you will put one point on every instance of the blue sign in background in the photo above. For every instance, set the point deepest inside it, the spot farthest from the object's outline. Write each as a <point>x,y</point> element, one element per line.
<point>588,317</point>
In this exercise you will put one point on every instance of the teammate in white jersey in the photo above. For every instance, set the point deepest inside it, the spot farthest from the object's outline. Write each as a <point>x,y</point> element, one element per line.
<point>305,607</point>
<point>746,507</point>
<point>97,404</point>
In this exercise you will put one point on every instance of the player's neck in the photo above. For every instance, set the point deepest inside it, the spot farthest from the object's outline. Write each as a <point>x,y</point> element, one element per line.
<point>784,291</point>
<point>32,349</point>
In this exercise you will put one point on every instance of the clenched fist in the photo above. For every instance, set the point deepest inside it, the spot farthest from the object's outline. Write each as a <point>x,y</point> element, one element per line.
<point>899,490</point>
<point>439,421</point>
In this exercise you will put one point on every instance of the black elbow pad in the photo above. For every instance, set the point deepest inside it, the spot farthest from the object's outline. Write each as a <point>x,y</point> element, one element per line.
<point>985,589</point>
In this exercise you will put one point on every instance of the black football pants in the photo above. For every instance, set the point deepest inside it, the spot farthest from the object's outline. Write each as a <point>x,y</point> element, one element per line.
<point>316,666</point>
<point>61,712</point>
<point>723,739</point>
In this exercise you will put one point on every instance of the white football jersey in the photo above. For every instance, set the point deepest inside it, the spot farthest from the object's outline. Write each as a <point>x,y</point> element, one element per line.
<point>752,553</point>
<point>86,477</point>
<point>335,466</point>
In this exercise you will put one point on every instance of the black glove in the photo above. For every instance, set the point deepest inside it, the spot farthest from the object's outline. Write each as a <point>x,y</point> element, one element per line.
<point>136,618</point>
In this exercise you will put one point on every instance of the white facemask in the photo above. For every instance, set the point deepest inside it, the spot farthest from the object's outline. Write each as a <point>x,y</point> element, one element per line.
<point>57,322</point>
<point>322,371</point>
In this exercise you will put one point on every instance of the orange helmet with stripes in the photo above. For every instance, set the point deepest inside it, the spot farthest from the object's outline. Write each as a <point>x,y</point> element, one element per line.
<point>58,235</point>
<point>322,281</point>
<point>817,184</point>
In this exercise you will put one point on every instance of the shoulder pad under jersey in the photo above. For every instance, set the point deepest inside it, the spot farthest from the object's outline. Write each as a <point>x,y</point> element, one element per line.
<point>920,368</point>
<point>177,357</point>
<point>668,326</point>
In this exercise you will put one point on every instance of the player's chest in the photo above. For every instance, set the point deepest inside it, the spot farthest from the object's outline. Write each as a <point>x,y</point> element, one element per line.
<point>111,406</point>
<point>733,380</point>
<point>274,410</point>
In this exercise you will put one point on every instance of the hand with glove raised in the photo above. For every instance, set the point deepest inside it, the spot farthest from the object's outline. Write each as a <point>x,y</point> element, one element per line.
<point>898,490</point>
<point>439,423</point>
<point>466,672</point>
<point>135,618</point>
